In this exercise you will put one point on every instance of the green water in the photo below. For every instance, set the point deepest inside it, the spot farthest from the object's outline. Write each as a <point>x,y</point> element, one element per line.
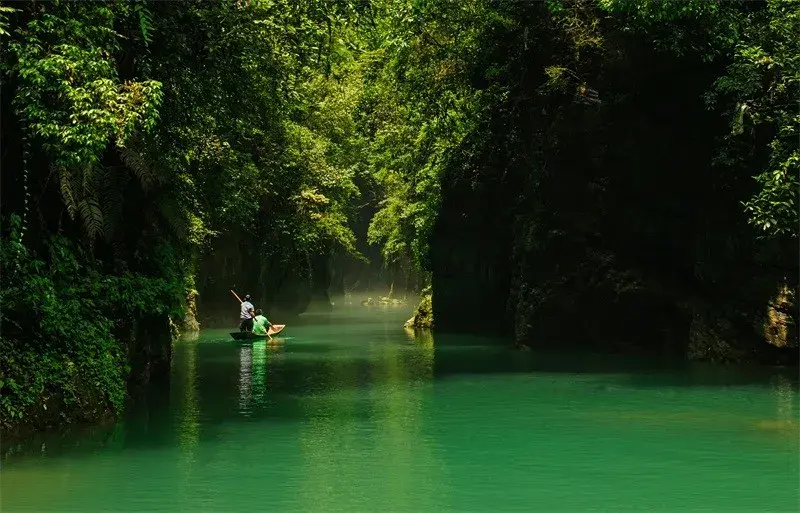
<point>351,413</point>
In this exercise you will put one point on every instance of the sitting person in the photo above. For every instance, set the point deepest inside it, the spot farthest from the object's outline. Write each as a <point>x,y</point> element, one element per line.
<point>261,324</point>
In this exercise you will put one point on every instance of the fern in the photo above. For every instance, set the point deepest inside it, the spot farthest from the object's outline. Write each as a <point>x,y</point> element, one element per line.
<point>65,182</point>
<point>175,217</point>
<point>89,181</point>
<point>141,166</point>
<point>111,201</point>
<point>92,217</point>
<point>80,191</point>
<point>94,195</point>
<point>145,21</point>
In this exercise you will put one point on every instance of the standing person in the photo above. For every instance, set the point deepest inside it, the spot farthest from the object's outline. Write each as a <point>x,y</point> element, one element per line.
<point>246,315</point>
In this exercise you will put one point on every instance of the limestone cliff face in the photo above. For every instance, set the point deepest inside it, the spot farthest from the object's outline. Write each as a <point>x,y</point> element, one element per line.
<point>610,286</point>
<point>148,341</point>
<point>608,229</point>
<point>471,257</point>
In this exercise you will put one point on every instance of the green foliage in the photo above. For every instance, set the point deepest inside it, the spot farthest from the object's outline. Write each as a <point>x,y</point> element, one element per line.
<point>219,136</point>
<point>159,126</point>
<point>758,91</point>
<point>75,106</point>
<point>761,89</point>
<point>418,110</point>
<point>60,360</point>
<point>423,101</point>
<point>681,27</point>
<point>264,134</point>
<point>4,24</point>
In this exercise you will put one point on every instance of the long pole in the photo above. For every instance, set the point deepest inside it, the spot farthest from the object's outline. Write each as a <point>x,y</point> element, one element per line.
<point>240,302</point>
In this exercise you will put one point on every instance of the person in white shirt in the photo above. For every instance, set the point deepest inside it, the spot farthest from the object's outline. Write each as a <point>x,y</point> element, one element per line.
<point>246,315</point>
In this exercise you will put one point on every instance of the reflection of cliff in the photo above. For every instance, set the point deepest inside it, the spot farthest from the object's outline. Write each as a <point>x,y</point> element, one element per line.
<point>409,466</point>
<point>184,394</point>
<point>785,425</point>
<point>363,441</point>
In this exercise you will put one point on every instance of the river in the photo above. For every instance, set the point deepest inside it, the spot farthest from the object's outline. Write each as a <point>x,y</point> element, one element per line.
<point>349,412</point>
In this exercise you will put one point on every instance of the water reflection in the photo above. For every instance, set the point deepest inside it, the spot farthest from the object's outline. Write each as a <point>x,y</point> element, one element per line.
<point>326,436</point>
<point>397,409</point>
<point>255,375</point>
<point>366,435</point>
<point>785,425</point>
<point>259,372</point>
<point>184,393</point>
<point>351,417</point>
<point>424,340</point>
<point>245,376</point>
<point>786,395</point>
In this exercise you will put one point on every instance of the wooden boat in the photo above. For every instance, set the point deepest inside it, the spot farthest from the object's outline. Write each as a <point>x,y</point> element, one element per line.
<point>249,335</point>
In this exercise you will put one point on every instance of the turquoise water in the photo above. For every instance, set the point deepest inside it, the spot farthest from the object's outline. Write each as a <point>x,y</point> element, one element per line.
<point>350,412</point>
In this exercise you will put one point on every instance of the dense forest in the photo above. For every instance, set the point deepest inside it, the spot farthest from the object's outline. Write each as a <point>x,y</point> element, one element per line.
<point>613,175</point>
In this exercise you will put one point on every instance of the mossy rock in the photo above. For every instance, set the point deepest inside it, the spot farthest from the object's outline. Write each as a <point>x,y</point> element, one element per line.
<point>423,318</point>
<point>190,323</point>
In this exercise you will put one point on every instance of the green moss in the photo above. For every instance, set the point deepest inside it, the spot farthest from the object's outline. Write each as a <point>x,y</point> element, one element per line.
<point>423,318</point>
